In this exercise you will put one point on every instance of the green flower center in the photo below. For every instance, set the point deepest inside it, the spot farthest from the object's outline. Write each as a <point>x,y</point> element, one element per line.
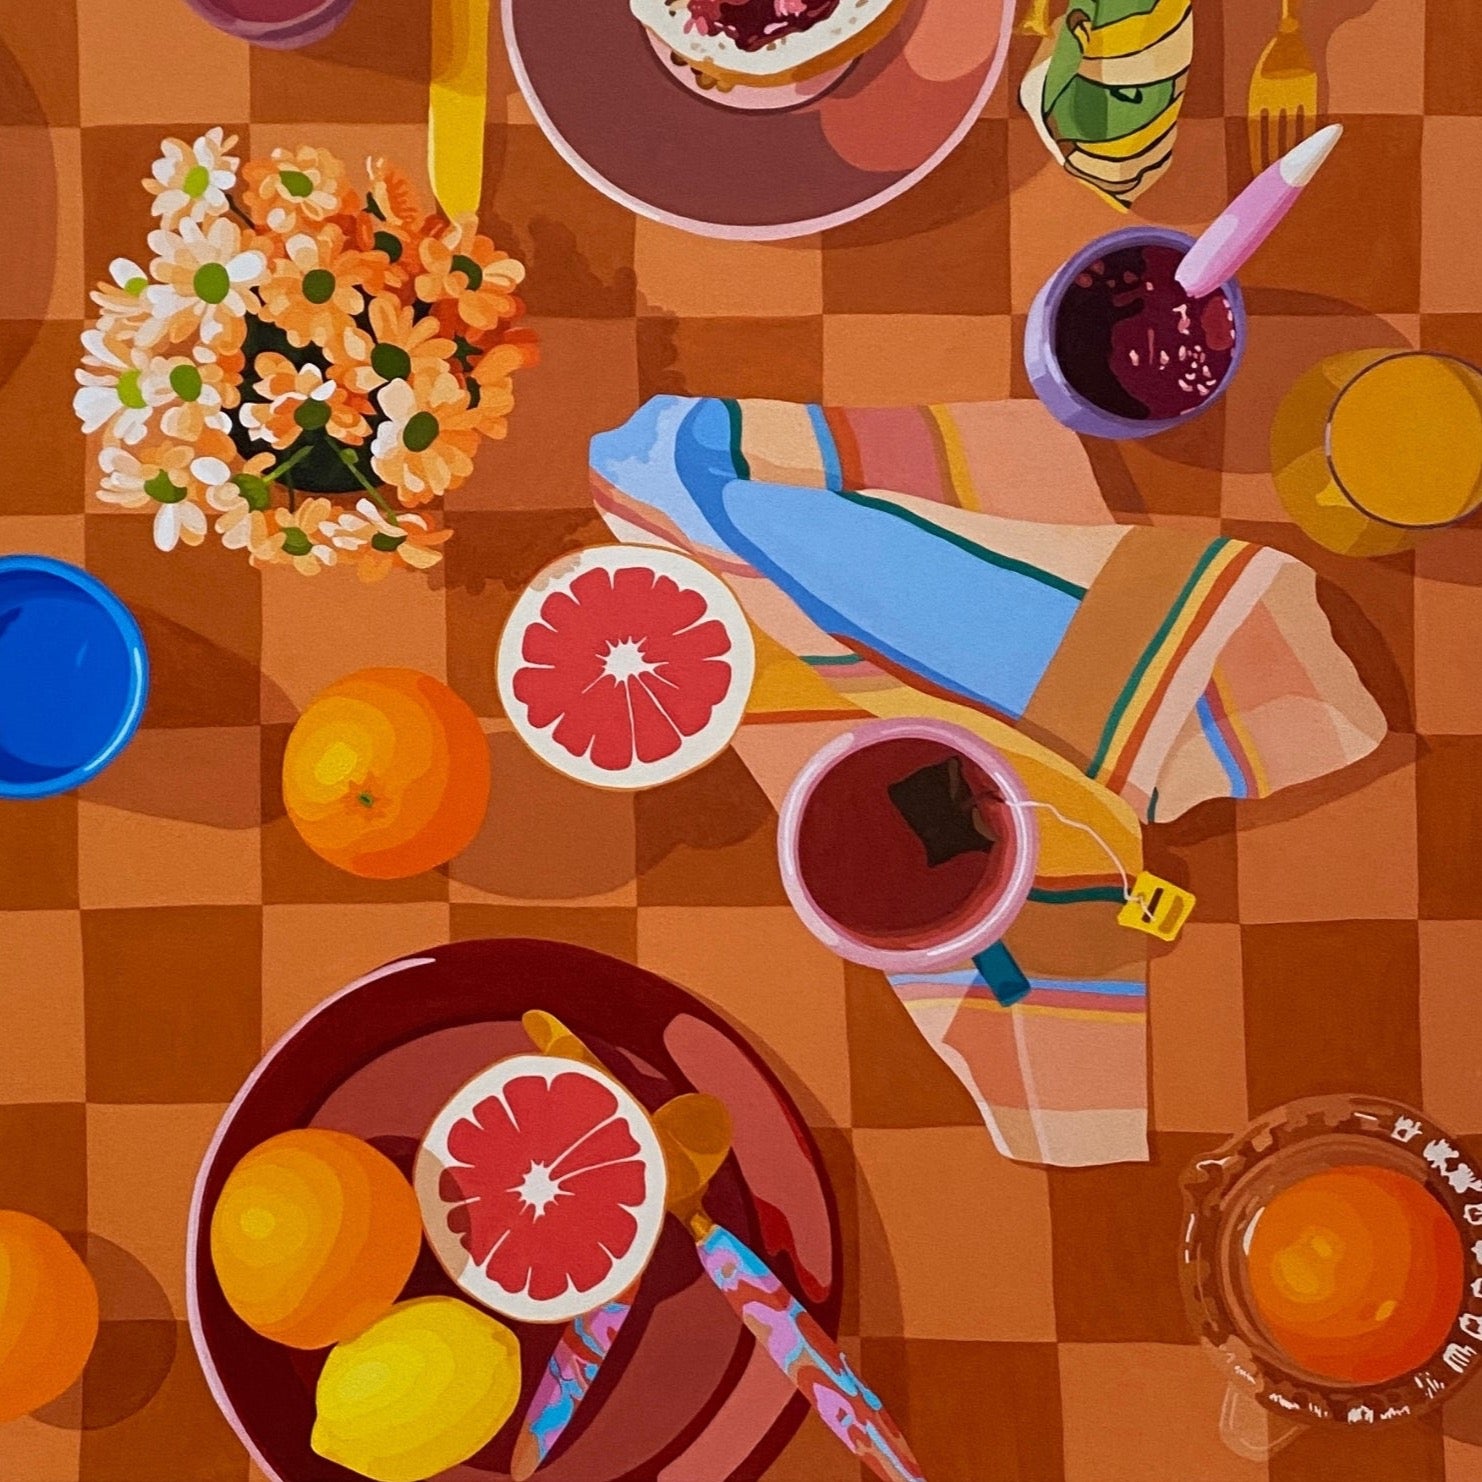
<point>197,178</point>
<point>128,391</point>
<point>383,542</point>
<point>135,286</point>
<point>296,183</point>
<point>470,270</point>
<point>211,283</point>
<point>185,382</point>
<point>420,432</point>
<point>254,490</point>
<point>311,415</point>
<point>389,243</point>
<point>160,488</point>
<point>319,285</point>
<point>296,543</point>
<point>391,362</point>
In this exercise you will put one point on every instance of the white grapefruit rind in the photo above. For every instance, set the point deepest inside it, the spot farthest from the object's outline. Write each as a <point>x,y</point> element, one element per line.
<point>433,1157</point>
<point>854,27</point>
<point>694,751</point>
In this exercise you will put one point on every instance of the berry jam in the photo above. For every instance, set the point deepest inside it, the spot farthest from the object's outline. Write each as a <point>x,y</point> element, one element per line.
<point>752,24</point>
<point>1129,339</point>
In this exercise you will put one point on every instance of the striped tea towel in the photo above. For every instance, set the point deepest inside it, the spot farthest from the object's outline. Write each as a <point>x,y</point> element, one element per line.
<point>959,562</point>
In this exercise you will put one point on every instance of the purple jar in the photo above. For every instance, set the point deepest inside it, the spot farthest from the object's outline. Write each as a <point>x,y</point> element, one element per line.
<point>1119,384</point>
<point>280,24</point>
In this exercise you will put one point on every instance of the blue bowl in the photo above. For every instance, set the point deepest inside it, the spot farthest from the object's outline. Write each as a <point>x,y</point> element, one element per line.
<point>74,674</point>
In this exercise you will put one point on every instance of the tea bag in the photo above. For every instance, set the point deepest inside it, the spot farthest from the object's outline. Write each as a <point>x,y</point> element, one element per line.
<point>1106,90</point>
<point>942,810</point>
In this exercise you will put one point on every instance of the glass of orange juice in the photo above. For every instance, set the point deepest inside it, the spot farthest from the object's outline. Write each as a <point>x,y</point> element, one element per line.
<point>1371,449</point>
<point>1333,1262</point>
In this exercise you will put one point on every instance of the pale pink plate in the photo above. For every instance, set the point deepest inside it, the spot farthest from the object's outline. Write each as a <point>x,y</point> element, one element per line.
<point>627,122</point>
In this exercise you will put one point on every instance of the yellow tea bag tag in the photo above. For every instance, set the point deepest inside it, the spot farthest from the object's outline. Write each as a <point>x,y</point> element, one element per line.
<point>1157,907</point>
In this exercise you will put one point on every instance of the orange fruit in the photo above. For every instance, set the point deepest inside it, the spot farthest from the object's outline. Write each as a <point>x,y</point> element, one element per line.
<point>314,1236</point>
<point>1356,1273</point>
<point>387,774</point>
<point>48,1315</point>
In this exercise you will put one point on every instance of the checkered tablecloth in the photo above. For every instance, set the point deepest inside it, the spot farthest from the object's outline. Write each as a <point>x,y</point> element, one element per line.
<point>160,928</point>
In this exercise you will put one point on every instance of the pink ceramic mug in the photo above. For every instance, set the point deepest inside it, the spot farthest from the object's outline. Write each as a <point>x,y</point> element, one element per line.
<point>972,929</point>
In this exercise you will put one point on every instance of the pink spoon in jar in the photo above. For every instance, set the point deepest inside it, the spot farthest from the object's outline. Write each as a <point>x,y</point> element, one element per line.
<point>1253,215</point>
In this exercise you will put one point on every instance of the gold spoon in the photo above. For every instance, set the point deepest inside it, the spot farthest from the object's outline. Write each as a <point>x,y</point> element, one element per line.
<point>694,1133</point>
<point>704,1125</point>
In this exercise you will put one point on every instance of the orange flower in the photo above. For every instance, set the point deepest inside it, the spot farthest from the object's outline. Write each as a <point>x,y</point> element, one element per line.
<point>400,347</point>
<point>465,275</point>
<point>202,391</point>
<point>297,189</point>
<point>426,444</point>
<point>312,293</point>
<point>298,399</point>
<point>394,196</point>
<point>238,496</point>
<point>376,546</point>
<point>390,224</point>
<point>292,537</point>
<point>492,374</point>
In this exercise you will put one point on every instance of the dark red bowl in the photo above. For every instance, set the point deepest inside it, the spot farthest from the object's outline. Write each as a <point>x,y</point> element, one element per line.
<point>684,1386</point>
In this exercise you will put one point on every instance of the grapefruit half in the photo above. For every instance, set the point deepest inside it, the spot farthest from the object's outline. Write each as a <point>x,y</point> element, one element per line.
<point>542,1188</point>
<point>626,666</point>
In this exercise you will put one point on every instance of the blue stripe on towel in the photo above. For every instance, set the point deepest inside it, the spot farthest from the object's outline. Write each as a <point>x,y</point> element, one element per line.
<point>1221,748</point>
<point>828,452</point>
<point>961,620</point>
<point>967,977</point>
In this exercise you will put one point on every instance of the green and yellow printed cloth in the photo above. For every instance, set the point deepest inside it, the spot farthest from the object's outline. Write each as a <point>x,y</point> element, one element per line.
<point>1107,89</point>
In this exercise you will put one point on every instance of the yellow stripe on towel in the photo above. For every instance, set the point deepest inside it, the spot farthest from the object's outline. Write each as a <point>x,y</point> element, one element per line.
<point>1187,622</point>
<point>954,456</point>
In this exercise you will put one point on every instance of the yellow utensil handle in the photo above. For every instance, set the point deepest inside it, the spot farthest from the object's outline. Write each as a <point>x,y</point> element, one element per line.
<point>457,103</point>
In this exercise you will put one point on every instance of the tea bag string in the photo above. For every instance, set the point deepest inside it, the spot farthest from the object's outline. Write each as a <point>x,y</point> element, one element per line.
<point>1084,828</point>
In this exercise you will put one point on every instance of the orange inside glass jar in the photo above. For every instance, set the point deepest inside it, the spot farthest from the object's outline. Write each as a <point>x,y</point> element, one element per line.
<point>1354,1273</point>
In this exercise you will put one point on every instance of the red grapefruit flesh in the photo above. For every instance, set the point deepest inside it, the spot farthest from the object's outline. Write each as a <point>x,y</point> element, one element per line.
<point>542,1188</point>
<point>626,666</point>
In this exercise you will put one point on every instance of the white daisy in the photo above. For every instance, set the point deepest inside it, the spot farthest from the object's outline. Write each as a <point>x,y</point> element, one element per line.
<point>119,387</point>
<point>190,181</point>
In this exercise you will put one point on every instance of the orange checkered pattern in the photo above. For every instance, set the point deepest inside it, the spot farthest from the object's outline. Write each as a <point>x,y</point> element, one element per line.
<point>162,926</point>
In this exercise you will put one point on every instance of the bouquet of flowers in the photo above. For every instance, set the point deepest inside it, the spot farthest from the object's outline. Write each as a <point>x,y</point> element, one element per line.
<point>303,365</point>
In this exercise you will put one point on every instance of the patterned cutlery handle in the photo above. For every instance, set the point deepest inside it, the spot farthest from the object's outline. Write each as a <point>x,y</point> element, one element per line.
<point>808,1356</point>
<point>568,1376</point>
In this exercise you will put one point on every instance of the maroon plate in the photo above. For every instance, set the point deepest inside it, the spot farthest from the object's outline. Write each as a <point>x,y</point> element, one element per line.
<point>625,120</point>
<point>685,1393</point>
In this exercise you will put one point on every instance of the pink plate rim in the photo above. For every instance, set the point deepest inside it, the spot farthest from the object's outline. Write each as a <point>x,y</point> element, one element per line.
<point>775,231</point>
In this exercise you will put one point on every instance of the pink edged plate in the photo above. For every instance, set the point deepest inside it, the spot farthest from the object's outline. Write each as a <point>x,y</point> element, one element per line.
<point>765,163</point>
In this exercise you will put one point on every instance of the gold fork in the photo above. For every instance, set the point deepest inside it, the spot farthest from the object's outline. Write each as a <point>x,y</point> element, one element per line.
<point>1283,93</point>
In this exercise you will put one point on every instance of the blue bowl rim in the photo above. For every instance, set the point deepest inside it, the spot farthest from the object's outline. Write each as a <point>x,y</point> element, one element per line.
<point>128,629</point>
<point>1047,306</point>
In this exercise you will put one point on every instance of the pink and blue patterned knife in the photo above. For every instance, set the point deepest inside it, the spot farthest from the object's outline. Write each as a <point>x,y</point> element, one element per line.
<point>805,1353</point>
<point>568,1375</point>
<point>695,1133</point>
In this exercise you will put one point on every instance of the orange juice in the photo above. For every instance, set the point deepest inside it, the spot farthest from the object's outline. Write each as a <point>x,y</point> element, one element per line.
<point>1404,440</point>
<point>1355,1273</point>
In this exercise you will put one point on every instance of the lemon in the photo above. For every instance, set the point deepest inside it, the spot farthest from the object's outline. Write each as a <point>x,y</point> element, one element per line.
<point>422,1389</point>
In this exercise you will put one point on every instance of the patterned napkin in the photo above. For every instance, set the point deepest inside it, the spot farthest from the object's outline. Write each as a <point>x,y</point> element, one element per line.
<point>1107,88</point>
<point>960,562</point>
